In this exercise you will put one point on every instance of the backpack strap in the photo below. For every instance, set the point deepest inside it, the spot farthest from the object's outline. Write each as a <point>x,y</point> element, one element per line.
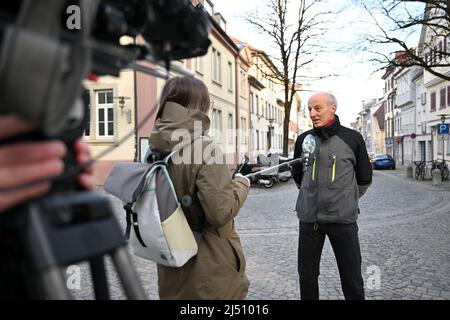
<point>186,200</point>
<point>132,219</point>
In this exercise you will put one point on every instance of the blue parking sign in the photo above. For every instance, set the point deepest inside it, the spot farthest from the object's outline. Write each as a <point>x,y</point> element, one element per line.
<point>443,128</point>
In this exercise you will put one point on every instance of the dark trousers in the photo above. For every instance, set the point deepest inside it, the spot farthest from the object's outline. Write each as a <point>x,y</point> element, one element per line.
<point>345,243</point>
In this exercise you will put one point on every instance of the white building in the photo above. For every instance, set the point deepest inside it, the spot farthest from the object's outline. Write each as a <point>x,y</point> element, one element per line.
<point>406,122</point>
<point>389,97</point>
<point>437,90</point>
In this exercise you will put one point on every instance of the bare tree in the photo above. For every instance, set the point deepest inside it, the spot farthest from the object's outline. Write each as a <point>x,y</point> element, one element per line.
<point>396,20</point>
<point>297,40</point>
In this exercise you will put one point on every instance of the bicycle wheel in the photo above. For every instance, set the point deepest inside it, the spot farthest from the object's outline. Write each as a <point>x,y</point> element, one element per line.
<point>416,173</point>
<point>422,174</point>
<point>444,173</point>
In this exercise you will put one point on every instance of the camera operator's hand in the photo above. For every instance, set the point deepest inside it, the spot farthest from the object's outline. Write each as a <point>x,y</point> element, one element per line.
<point>86,179</point>
<point>25,162</point>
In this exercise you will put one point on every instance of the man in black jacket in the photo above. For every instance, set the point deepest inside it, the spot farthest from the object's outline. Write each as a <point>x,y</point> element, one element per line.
<point>336,174</point>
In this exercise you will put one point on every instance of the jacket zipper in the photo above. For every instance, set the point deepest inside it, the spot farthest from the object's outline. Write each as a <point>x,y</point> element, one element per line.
<point>333,170</point>
<point>314,168</point>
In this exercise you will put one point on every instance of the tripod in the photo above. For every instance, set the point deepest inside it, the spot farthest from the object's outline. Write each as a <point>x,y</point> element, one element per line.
<point>63,229</point>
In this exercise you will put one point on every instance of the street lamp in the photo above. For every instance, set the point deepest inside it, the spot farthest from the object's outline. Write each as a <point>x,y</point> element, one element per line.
<point>121,100</point>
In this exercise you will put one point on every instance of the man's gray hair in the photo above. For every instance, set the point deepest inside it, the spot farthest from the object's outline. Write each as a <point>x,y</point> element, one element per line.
<point>332,99</point>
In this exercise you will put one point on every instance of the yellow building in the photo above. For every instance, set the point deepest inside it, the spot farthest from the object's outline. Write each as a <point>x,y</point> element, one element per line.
<point>111,117</point>
<point>266,105</point>
<point>379,145</point>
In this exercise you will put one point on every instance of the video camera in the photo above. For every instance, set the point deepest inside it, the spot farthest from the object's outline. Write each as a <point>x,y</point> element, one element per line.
<point>47,49</point>
<point>40,55</point>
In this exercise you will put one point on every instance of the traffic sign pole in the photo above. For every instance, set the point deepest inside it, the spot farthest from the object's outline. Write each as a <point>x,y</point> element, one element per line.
<point>443,129</point>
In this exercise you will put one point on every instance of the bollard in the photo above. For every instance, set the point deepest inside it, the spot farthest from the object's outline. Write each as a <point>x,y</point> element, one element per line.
<point>409,171</point>
<point>437,178</point>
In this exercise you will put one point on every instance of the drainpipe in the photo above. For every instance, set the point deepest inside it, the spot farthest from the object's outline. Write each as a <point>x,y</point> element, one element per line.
<point>236,67</point>
<point>136,138</point>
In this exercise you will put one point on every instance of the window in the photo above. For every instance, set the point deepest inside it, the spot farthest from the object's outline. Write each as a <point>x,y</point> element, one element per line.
<point>87,100</point>
<point>262,133</point>
<point>257,105</point>
<point>243,82</point>
<point>423,98</point>
<point>230,76</point>
<point>442,98</point>
<point>440,50</point>
<point>252,107</point>
<point>217,125</point>
<point>198,65</point>
<point>230,128</point>
<point>243,130</point>
<point>433,102</point>
<point>257,139</point>
<point>105,114</point>
<point>448,95</point>
<point>217,68</point>
<point>447,44</point>
<point>436,54</point>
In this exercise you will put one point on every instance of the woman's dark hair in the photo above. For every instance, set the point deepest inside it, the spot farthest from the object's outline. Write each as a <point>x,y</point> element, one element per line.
<point>189,92</point>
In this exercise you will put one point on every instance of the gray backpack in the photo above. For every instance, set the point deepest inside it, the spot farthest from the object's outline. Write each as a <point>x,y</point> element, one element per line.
<point>157,228</point>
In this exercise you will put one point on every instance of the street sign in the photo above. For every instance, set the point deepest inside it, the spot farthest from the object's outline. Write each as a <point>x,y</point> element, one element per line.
<point>413,136</point>
<point>389,142</point>
<point>441,137</point>
<point>443,128</point>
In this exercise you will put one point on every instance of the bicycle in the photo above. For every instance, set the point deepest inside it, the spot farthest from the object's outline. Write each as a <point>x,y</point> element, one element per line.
<point>420,170</point>
<point>442,167</point>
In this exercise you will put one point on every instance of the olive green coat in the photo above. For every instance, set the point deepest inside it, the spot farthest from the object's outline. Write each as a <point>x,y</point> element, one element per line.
<point>218,270</point>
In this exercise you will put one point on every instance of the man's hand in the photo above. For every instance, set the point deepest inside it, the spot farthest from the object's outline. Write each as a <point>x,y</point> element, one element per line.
<point>24,162</point>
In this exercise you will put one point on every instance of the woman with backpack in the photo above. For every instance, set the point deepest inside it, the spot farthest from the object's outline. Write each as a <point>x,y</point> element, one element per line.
<point>211,198</point>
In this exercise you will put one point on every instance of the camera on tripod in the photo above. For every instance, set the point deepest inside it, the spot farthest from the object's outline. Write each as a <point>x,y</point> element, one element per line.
<point>40,55</point>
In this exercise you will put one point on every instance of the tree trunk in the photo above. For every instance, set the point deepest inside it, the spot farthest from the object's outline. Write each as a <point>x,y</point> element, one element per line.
<point>286,122</point>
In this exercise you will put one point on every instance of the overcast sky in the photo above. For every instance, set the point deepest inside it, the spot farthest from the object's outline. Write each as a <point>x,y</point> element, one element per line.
<point>357,80</point>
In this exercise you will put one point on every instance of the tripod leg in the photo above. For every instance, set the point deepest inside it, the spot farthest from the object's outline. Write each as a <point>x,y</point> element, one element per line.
<point>99,278</point>
<point>127,274</point>
<point>55,284</point>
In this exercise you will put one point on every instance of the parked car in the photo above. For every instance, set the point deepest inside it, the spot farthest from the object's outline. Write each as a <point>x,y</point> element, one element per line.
<point>383,161</point>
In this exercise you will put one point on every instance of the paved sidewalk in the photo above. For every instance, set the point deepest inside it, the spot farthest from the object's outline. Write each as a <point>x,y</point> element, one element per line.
<point>404,234</point>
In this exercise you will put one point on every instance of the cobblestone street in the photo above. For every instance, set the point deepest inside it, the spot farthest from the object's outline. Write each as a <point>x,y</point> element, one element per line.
<point>405,241</point>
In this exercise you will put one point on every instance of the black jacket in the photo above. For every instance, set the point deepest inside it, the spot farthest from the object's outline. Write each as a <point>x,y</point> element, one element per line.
<point>338,174</point>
